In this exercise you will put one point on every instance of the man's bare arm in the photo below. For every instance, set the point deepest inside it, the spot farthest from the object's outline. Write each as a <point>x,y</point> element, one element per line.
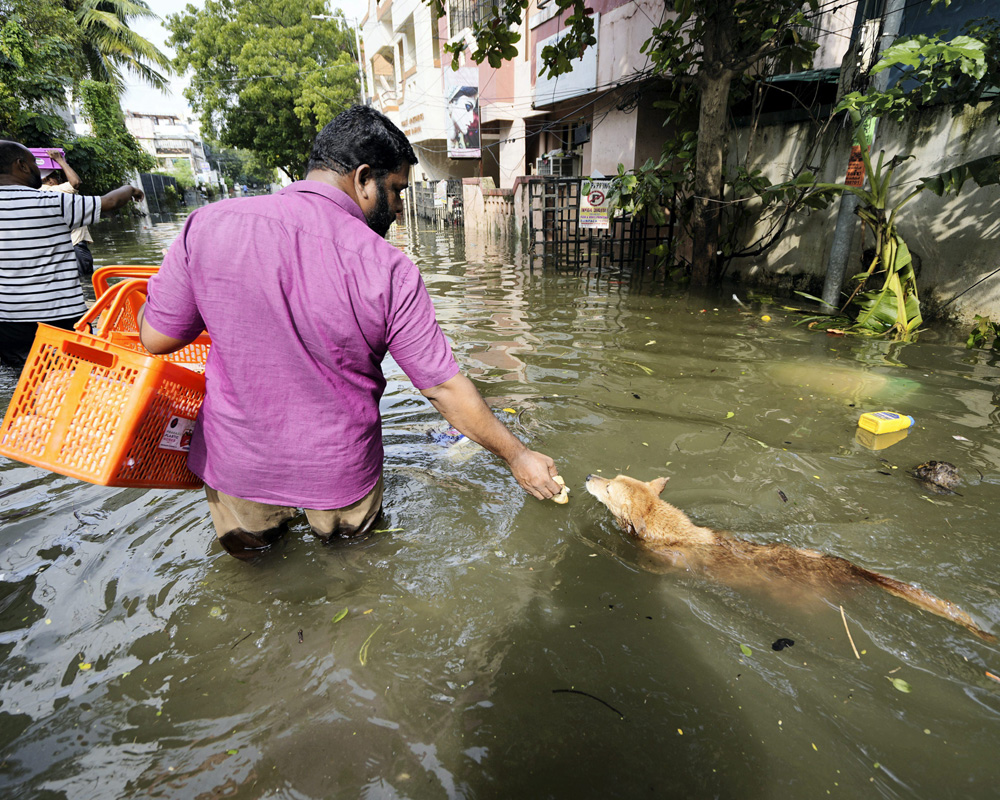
<point>460,403</point>
<point>119,197</point>
<point>155,342</point>
<point>71,177</point>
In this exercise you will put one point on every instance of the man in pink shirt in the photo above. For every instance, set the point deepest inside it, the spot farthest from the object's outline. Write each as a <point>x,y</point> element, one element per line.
<point>303,298</point>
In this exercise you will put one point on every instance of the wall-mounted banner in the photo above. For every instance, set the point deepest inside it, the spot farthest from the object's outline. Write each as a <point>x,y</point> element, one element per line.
<point>594,203</point>
<point>461,91</point>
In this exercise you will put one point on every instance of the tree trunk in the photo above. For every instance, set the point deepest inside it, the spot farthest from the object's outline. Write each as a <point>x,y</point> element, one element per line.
<point>712,140</point>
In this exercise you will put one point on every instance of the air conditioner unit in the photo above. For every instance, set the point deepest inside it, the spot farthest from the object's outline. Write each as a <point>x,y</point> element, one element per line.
<point>556,166</point>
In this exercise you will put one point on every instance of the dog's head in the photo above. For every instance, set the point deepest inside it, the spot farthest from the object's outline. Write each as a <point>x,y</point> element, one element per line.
<point>628,499</point>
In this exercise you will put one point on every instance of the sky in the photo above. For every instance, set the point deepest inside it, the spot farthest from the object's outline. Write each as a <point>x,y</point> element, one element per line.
<point>143,99</point>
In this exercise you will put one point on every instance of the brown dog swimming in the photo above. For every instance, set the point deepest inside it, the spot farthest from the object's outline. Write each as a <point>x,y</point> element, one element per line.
<point>669,535</point>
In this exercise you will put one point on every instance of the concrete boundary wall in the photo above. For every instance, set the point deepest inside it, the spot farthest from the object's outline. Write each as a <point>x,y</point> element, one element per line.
<point>955,240</point>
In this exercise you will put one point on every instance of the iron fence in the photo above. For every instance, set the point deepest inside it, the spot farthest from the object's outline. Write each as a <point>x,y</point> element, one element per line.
<point>556,236</point>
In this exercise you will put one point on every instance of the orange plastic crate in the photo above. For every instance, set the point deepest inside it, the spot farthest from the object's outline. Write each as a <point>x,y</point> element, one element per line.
<point>103,276</point>
<point>116,312</point>
<point>87,408</point>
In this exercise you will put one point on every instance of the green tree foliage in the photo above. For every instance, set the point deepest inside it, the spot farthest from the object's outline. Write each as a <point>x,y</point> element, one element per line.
<point>238,166</point>
<point>110,49</point>
<point>267,77</point>
<point>48,46</point>
<point>38,62</point>
<point>110,157</point>
<point>496,35</point>
<point>962,71</point>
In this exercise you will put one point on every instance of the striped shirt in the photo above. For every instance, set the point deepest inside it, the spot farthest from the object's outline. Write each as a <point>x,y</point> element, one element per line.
<point>38,271</point>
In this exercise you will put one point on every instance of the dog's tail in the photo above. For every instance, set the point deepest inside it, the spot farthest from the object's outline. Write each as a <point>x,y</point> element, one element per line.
<point>925,600</point>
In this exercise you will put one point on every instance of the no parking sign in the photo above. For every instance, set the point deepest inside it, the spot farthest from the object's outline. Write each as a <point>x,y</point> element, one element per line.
<point>594,203</point>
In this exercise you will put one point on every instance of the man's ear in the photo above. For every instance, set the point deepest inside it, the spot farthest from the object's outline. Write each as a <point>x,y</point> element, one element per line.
<point>657,484</point>
<point>364,181</point>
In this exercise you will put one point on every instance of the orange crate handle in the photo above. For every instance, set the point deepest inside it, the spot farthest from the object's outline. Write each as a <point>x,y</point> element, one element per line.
<point>103,274</point>
<point>105,302</point>
<point>86,352</point>
<point>131,291</point>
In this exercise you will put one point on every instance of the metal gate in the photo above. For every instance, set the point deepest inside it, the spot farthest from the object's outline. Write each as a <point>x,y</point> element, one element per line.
<point>557,238</point>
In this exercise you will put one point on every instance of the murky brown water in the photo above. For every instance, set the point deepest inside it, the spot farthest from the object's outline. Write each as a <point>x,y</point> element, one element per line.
<point>471,616</point>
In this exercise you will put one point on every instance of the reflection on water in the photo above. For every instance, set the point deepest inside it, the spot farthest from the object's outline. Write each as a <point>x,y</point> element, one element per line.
<point>139,661</point>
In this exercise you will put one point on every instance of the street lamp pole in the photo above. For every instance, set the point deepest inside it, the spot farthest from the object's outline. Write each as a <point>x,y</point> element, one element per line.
<point>357,45</point>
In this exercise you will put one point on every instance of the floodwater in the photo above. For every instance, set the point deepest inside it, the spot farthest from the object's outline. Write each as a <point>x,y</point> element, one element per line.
<point>488,645</point>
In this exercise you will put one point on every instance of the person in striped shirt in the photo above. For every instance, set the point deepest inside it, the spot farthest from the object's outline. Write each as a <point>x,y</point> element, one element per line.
<point>38,270</point>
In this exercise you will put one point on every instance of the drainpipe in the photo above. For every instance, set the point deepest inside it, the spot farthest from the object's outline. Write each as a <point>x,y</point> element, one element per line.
<point>843,235</point>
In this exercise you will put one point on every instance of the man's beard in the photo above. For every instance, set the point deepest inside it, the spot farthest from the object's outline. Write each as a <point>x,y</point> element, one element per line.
<point>380,217</point>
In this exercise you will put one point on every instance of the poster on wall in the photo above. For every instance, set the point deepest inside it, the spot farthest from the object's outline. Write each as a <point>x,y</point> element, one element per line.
<point>461,91</point>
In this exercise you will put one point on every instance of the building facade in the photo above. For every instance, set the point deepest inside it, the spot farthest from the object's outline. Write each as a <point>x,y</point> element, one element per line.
<point>172,142</point>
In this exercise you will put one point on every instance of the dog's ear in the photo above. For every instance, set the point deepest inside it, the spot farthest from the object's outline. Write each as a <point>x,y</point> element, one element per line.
<point>657,484</point>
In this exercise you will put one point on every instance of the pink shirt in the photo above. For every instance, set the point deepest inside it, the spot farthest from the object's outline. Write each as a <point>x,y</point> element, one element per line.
<point>302,301</point>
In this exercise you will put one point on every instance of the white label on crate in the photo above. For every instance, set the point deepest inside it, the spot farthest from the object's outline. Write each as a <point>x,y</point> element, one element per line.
<point>177,435</point>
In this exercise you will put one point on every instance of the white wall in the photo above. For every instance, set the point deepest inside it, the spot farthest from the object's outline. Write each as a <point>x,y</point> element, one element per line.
<point>955,239</point>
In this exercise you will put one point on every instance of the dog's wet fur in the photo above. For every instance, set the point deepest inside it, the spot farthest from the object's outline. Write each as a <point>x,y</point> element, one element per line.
<point>674,540</point>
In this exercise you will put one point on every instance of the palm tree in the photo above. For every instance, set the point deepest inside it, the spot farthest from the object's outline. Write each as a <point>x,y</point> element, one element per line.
<point>110,45</point>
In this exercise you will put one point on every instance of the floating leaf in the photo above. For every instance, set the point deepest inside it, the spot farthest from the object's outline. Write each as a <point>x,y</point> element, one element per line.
<point>363,652</point>
<point>232,752</point>
<point>899,684</point>
<point>510,410</point>
<point>215,612</point>
<point>369,611</point>
<point>651,341</point>
<point>730,414</point>
<point>647,370</point>
<point>84,665</point>
<point>340,615</point>
<point>388,530</point>
<point>746,650</point>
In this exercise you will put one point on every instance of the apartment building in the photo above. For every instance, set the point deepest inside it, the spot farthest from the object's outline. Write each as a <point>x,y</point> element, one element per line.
<point>170,140</point>
<point>506,123</point>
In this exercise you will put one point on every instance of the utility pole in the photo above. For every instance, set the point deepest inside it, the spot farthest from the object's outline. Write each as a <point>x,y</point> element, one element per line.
<point>843,235</point>
<point>357,46</point>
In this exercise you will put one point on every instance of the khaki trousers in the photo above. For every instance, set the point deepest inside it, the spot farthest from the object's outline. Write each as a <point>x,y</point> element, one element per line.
<point>246,528</point>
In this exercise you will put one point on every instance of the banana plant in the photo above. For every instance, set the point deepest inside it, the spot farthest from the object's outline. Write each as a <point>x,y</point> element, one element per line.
<point>885,299</point>
<point>891,307</point>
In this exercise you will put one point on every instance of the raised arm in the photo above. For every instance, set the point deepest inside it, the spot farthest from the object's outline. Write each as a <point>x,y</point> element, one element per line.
<point>71,177</point>
<point>119,197</point>
<point>460,403</point>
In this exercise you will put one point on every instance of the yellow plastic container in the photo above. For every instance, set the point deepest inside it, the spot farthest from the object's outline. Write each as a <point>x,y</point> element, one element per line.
<point>874,442</point>
<point>879,422</point>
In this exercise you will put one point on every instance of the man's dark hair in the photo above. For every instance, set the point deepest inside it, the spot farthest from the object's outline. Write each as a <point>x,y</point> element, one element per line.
<point>361,135</point>
<point>9,153</point>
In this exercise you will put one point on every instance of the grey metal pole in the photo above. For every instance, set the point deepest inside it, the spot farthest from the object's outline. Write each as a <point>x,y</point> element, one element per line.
<point>361,69</point>
<point>843,234</point>
<point>357,44</point>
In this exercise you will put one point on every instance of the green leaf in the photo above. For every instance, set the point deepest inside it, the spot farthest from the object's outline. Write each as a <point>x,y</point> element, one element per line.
<point>339,615</point>
<point>900,684</point>
<point>746,650</point>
